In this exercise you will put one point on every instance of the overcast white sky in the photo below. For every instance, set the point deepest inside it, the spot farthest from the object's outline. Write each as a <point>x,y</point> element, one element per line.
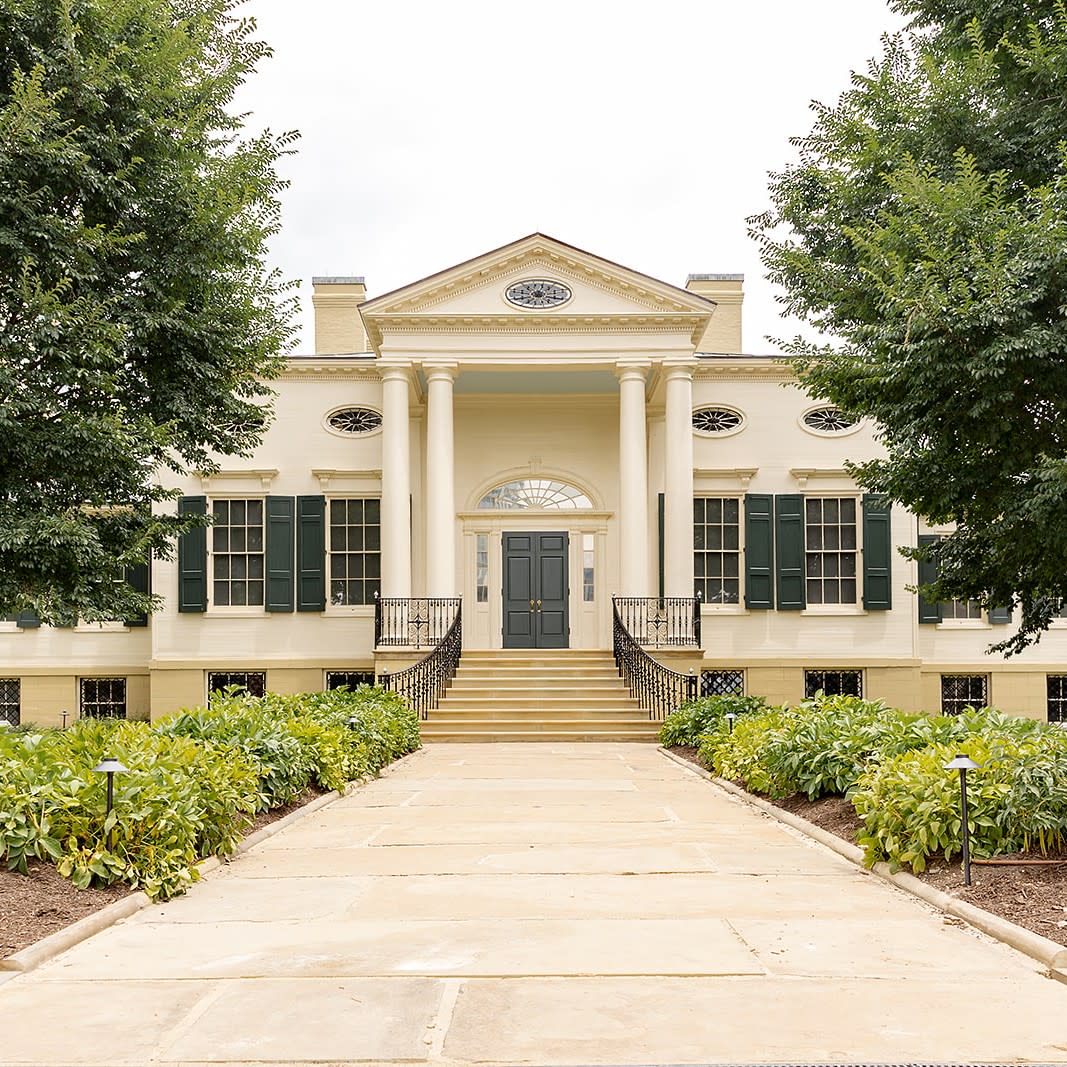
<point>433,132</point>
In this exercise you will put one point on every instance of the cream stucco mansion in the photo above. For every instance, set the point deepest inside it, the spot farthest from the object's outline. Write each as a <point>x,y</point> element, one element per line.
<point>534,431</point>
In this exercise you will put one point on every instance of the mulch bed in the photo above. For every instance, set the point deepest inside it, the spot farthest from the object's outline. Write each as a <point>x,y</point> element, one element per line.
<point>37,904</point>
<point>1034,897</point>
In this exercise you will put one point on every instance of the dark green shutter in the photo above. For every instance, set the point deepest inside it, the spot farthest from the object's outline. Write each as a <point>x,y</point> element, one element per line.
<point>789,542</point>
<point>660,512</point>
<point>192,558</point>
<point>929,611</point>
<point>280,553</point>
<point>877,554</point>
<point>311,553</point>
<point>1000,616</point>
<point>27,620</point>
<point>139,576</point>
<point>759,551</point>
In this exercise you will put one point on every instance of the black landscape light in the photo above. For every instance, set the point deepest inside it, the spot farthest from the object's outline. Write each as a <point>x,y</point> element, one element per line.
<point>730,716</point>
<point>110,766</point>
<point>963,763</point>
<point>353,721</point>
<point>64,714</point>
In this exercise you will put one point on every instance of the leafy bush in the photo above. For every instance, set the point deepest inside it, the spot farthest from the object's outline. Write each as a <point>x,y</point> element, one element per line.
<point>739,755</point>
<point>195,780</point>
<point>696,717</point>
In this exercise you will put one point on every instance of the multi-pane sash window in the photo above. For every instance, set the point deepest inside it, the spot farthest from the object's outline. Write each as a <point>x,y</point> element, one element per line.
<point>830,549</point>
<point>717,549</point>
<point>962,691</point>
<point>348,679</point>
<point>10,701</point>
<point>237,552</point>
<point>103,698</point>
<point>252,682</point>
<point>961,609</point>
<point>833,683</point>
<point>355,551</point>
<point>1057,697</point>
<point>722,683</point>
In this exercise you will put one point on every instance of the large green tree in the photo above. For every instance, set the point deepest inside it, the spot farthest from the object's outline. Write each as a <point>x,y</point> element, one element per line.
<point>138,322</point>
<point>924,227</point>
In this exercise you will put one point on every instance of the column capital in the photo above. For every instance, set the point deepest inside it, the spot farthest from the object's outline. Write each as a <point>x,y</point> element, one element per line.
<point>440,372</point>
<point>680,369</point>
<point>628,370</point>
<point>395,372</point>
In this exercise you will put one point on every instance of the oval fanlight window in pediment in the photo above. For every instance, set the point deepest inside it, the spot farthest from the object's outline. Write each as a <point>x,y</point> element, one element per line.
<point>537,293</point>
<point>535,493</point>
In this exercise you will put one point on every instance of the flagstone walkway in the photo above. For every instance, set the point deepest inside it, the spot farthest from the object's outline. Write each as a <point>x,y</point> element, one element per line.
<point>543,904</point>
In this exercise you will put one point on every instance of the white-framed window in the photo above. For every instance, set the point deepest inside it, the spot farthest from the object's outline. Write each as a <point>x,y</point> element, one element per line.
<point>833,683</point>
<point>962,691</point>
<point>10,701</point>
<point>481,568</point>
<point>252,682</point>
<point>237,539</point>
<point>588,568</point>
<point>957,610</point>
<point>348,679</point>
<point>354,548</point>
<point>103,698</point>
<point>722,683</point>
<point>1057,697</point>
<point>831,546</point>
<point>717,549</point>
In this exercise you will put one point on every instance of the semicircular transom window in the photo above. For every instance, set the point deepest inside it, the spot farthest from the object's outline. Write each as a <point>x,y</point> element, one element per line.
<point>354,420</point>
<point>716,420</point>
<point>535,493</point>
<point>828,420</point>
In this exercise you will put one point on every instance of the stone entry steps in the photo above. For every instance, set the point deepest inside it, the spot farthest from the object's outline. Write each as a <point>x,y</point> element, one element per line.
<point>559,695</point>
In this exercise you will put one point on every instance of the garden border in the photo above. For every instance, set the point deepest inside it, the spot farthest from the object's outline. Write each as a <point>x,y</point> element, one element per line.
<point>32,956</point>
<point>1048,953</point>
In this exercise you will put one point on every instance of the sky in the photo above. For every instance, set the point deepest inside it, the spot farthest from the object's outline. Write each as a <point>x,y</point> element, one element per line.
<point>644,133</point>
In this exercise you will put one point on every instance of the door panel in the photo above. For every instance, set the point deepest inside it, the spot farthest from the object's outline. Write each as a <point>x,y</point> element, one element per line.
<point>535,591</point>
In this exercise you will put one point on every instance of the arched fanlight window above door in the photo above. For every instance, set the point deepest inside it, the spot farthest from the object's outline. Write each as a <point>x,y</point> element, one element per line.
<point>543,493</point>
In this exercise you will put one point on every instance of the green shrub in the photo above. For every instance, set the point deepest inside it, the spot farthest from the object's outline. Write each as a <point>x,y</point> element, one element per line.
<point>703,715</point>
<point>739,755</point>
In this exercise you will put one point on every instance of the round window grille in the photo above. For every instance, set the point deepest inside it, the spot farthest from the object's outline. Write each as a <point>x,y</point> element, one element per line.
<point>828,420</point>
<point>538,293</point>
<point>355,420</point>
<point>535,493</point>
<point>715,420</point>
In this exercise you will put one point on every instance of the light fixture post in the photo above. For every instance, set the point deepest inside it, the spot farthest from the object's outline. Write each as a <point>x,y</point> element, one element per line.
<point>730,716</point>
<point>963,763</point>
<point>110,766</point>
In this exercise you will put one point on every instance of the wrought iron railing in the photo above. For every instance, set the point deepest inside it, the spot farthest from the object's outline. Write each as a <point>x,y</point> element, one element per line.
<point>424,683</point>
<point>658,689</point>
<point>413,622</point>
<point>661,622</point>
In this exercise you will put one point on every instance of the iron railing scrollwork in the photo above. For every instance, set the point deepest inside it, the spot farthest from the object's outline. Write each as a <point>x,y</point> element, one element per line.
<point>424,683</point>
<point>661,622</point>
<point>413,622</point>
<point>657,688</point>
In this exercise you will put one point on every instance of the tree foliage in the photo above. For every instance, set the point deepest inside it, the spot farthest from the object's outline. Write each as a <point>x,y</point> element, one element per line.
<point>924,225</point>
<point>138,322</point>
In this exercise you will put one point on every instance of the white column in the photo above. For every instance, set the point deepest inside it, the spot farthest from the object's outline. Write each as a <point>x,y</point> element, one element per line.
<point>678,481</point>
<point>396,483</point>
<point>633,481</point>
<point>440,483</point>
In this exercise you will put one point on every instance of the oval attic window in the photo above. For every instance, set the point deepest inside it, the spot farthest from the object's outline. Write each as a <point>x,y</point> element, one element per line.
<point>354,420</point>
<point>828,420</point>
<point>716,420</point>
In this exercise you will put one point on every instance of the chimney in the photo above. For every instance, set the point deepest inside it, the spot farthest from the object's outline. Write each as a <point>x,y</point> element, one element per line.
<point>338,327</point>
<point>724,331</point>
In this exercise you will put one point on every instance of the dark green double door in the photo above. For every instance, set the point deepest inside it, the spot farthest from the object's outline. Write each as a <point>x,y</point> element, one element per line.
<point>535,590</point>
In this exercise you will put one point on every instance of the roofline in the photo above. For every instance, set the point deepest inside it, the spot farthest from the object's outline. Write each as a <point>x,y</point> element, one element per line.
<point>715,278</point>
<point>338,280</point>
<point>530,236</point>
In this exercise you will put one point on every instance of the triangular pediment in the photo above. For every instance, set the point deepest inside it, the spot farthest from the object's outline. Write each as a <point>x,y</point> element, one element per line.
<point>586,289</point>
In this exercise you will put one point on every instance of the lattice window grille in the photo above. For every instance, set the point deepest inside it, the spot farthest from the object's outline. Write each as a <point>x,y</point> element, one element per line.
<point>828,420</point>
<point>1057,697</point>
<point>349,679</point>
<point>103,698</point>
<point>715,420</point>
<point>252,682</point>
<point>833,683</point>
<point>722,683</point>
<point>543,493</point>
<point>962,691</point>
<point>355,420</point>
<point>10,701</point>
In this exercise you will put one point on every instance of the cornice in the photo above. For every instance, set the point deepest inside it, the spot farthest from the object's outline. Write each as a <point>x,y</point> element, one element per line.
<point>328,370</point>
<point>210,479</point>
<point>803,475</point>
<point>743,372</point>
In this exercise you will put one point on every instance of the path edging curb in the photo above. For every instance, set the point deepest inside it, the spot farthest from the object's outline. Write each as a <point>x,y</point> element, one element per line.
<point>32,956</point>
<point>1048,953</point>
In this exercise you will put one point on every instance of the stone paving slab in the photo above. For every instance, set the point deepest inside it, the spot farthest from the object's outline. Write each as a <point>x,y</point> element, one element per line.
<point>541,904</point>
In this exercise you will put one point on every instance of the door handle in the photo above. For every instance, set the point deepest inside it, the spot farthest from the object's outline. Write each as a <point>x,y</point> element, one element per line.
<point>539,605</point>
<point>532,602</point>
